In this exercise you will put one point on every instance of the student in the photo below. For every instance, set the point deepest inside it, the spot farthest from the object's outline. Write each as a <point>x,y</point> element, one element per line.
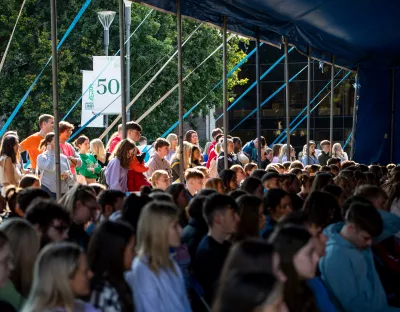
<point>110,202</point>
<point>253,186</point>
<point>374,194</point>
<point>5,260</point>
<point>67,149</point>
<point>306,183</point>
<point>29,180</point>
<point>216,132</point>
<point>177,162</point>
<point>133,131</point>
<point>130,215</point>
<point>195,157</point>
<point>324,205</point>
<point>31,143</point>
<point>320,181</point>
<point>220,212</point>
<point>250,291</point>
<point>249,168</point>
<point>157,160</point>
<point>181,198</point>
<point>197,227</point>
<point>338,152</point>
<point>61,275</point>
<point>114,140</point>
<point>271,180</point>
<point>99,152</point>
<point>252,218</point>
<point>50,220</point>
<point>277,203</point>
<point>172,139</point>
<point>136,178</point>
<point>229,179</point>
<point>312,158</point>
<point>160,180</point>
<point>299,260</point>
<point>9,172</point>
<point>251,148</point>
<point>324,156</point>
<point>28,195</point>
<point>192,137</point>
<point>90,168</point>
<point>46,162</point>
<point>240,174</point>
<point>232,158</point>
<point>194,181</point>
<point>81,204</point>
<point>237,149</point>
<point>117,170</point>
<point>156,280</point>
<point>216,184</point>
<point>110,255</point>
<point>24,244</point>
<point>348,268</point>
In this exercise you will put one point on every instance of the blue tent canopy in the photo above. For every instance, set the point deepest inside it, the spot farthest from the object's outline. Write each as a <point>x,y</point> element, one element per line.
<point>358,33</point>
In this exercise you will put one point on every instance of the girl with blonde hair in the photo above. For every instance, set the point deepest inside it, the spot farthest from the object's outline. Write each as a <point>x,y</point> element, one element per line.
<point>99,152</point>
<point>24,243</point>
<point>61,275</point>
<point>172,138</point>
<point>177,162</point>
<point>337,151</point>
<point>283,154</point>
<point>156,280</point>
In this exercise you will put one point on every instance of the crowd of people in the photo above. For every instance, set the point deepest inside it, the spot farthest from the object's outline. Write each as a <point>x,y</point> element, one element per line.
<point>320,233</point>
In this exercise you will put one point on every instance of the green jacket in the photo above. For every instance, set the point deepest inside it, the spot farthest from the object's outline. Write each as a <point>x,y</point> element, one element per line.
<point>9,294</point>
<point>88,160</point>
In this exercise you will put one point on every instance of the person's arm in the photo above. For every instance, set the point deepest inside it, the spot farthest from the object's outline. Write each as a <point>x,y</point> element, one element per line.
<point>47,161</point>
<point>70,179</point>
<point>77,159</point>
<point>24,145</point>
<point>84,170</point>
<point>9,171</point>
<point>145,287</point>
<point>97,167</point>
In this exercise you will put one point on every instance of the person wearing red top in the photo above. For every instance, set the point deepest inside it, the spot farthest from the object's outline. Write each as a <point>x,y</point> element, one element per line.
<point>115,140</point>
<point>212,154</point>
<point>214,134</point>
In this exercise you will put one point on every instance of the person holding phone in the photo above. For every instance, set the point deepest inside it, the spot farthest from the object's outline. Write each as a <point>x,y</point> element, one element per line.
<point>46,162</point>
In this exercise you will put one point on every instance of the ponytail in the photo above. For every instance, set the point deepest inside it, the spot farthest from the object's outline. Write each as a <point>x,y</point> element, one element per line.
<point>47,140</point>
<point>80,140</point>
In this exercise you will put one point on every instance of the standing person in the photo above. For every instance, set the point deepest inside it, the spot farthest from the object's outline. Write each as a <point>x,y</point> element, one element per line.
<point>133,131</point>
<point>232,158</point>
<point>99,152</point>
<point>177,162</point>
<point>283,154</point>
<point>156,280</point>
<point>158,159</point>
<point>216,132</point>
<point>251,148</point>
<point>24,244</point>
<point>324,156</point>
<point>237,149</point>
<point>61,275</point>
<point>338,152</point>
<point>66,148</point>
<point>312,158</point>
<point>267,158</point>
<point>31,143</point>
<point>90,168</point>
<point>117,170</point>
<point>110,255</point>
<point>192,137</point>
<point>9,173</point>
<point>114,140</point>
<point>172,139</point>
<point>220,212</point>
<point>46,162</point>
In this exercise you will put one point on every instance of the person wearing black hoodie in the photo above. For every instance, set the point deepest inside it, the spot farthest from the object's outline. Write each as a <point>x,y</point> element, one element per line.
<point>232,158</point>
<point>197,228</point>
<point>324,156</point>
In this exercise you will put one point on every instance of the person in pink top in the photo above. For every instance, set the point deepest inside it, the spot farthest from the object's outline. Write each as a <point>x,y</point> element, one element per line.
<point>66,148</point>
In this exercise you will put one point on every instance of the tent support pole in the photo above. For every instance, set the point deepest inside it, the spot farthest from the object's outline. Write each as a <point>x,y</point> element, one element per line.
<point>308,103</point>
<point>332,96</point>
<point>287,98</point>
<point>258,65</point>
<point>392,121</point>
<point>225,90</point>
<point>123,68</point>
<point>53,8</point>
<point>180,89</point>
<point>353,131</point>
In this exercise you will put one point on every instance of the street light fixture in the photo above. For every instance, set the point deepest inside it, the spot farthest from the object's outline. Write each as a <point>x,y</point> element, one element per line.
<point>106,18</point>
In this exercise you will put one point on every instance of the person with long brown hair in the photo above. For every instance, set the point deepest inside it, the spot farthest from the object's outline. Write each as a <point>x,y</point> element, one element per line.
<point>117,170</point>
<point>9,173</point>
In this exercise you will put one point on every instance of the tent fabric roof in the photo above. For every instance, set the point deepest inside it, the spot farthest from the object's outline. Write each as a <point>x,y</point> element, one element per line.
<point>357,32</point>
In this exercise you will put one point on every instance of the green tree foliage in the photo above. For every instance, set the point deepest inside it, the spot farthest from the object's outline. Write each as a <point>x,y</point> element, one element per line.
<point>156,39</point>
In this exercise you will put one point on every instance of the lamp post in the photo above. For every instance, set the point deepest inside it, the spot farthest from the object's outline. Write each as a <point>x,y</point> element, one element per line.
<point>106,18</point>
<point>128,21</point>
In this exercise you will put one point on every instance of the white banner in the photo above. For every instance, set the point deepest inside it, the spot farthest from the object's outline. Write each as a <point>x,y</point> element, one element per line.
<point>88,108</point>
